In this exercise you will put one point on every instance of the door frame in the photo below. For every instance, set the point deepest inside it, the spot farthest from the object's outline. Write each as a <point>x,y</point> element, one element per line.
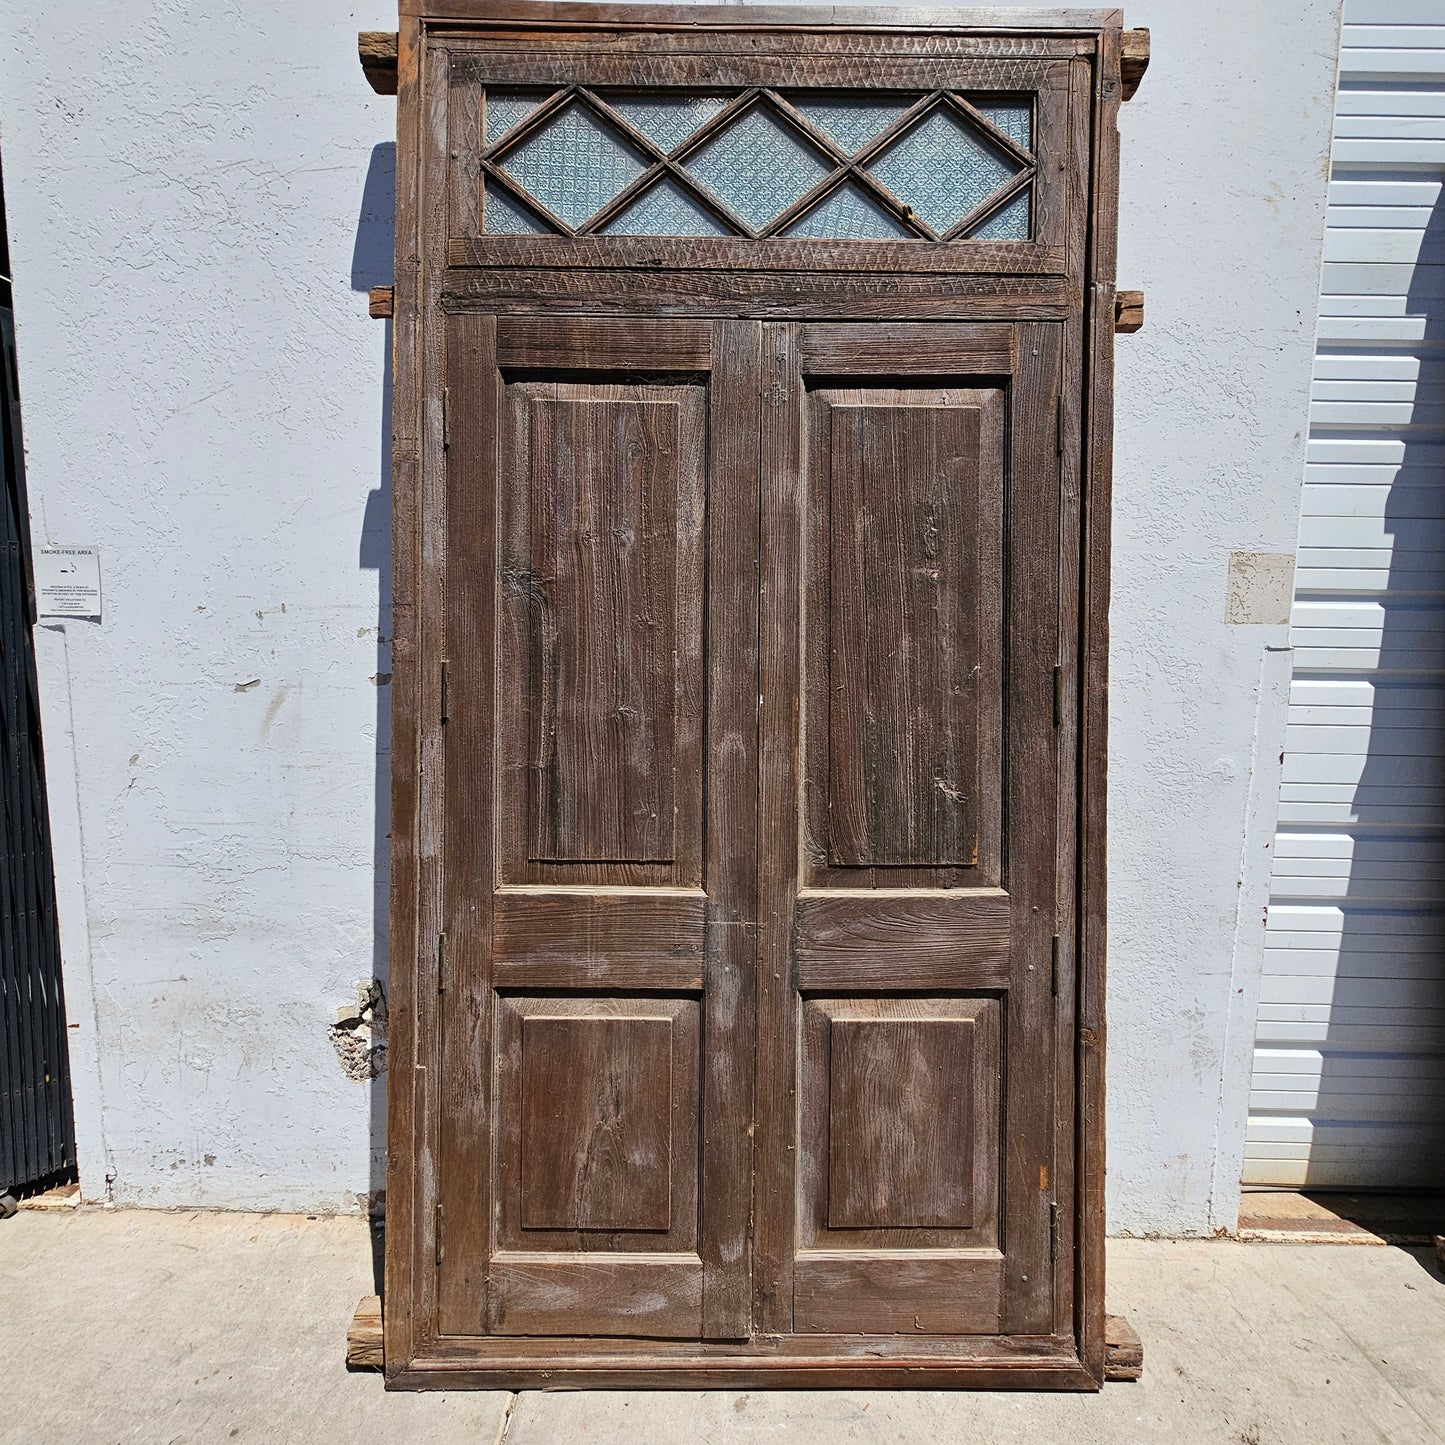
<point>440,270</point>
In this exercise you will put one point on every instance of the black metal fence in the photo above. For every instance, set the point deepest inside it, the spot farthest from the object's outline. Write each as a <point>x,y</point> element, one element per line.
<point>37,1127</point>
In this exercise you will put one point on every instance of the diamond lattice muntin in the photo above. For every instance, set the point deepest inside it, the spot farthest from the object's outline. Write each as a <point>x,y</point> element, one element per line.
<point>572,165</point>
<point>758,163</point>
<point>942,168</point>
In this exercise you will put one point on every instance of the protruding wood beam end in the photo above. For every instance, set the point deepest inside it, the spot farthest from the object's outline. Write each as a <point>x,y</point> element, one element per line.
<point>382,303</point>
<point>1128,310</point>
<point>377,49</point>
<point>363,1339</point>
<point>1123,1352</point>
<point>1133,61</point>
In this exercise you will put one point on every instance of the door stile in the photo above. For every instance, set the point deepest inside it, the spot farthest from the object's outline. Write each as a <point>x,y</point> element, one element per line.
<point>1032,629</point>
<point>1097,391</point>
<point>463,952</point>
<point>730,960</point>
<point>779,844</point>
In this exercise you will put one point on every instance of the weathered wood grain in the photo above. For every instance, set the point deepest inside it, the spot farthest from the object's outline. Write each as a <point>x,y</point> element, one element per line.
<point>904,649</point>
<point>861,941</point>
<point>363,1338</point>
<point>377,51</point>
<point>917,1292</point>
<point>1123,1350</point>
<point>1133,61</point>
<point>1128,311</point>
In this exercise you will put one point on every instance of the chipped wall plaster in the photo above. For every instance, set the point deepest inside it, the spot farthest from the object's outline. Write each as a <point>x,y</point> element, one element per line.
<point>197,198</point>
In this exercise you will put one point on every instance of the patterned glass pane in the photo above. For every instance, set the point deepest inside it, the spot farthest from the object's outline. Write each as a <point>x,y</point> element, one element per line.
<point>506,107</point>
<point>849,215</point>
<point>941,169</point>
<point>1009,223</point>
<point>665,210</point>
<point>572,165</point>
<point>1015,118</point>
<point>666,120</point>
<point>502,216</point>
<point>852,121</point>
<point>757,167</point>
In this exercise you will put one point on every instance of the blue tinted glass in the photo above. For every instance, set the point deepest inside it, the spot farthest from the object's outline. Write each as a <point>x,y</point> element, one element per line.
<point>757,167</point>
<point>1009,223</point>
<point>506,107</point>
<point>572,165</point>
<point>665,210</point>
<point>851,121</point>
<point>1015,118</point>
<point>849,215</point>
<point>941,169</point>
<point>504,217</point>
<point>666,119</point>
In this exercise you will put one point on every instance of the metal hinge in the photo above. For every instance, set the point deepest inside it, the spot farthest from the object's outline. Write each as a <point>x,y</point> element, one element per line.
<point>443,708</point>
<point>1054,967</point>
<point>446,418</point>
<point>441,963</point>
<point>1053,1233</point>
<point>437,1230</point>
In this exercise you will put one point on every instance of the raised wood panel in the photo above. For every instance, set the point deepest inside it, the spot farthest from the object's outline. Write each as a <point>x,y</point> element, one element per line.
<point>900,1131</point>
<point>900,1118</point>
<point>941,1292</point>
<point>939,940</point>
<point>648,1296</point>
<point>602,586</point>
<point>903,651</point>
<point>604,536</point>
<point>597,1123</point>
<point>903,719</point>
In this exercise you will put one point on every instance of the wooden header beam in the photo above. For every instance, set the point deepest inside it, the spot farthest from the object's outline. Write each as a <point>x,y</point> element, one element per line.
<point>377,49</point>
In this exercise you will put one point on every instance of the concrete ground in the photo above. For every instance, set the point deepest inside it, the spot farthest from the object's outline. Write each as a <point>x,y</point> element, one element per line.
<point>169,1328</point>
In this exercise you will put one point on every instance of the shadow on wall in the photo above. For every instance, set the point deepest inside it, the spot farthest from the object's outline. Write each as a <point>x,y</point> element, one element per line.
<point>1382,1083</point>
<point>373,262</point>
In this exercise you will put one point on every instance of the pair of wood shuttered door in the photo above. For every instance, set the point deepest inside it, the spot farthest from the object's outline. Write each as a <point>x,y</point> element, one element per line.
<point>741,702</point>
<point>688,902</point>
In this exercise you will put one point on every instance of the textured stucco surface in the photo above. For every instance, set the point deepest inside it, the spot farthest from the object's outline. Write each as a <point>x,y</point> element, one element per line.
<point>197,205</point>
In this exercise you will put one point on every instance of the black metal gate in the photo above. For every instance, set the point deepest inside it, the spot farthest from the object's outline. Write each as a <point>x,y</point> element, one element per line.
<point>37,1127</point>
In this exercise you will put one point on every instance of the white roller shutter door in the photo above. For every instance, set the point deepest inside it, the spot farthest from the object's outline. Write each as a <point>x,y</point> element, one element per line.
<point>1349,1067</point>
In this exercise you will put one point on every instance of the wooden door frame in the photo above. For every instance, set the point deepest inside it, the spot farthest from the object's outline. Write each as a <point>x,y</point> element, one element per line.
<point>434,275</point>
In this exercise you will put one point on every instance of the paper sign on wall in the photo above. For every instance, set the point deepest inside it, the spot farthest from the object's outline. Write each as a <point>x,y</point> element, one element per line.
<point>67,581</point>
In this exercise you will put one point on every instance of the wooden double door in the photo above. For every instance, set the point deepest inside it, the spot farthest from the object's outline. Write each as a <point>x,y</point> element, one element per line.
<point>752,879</point>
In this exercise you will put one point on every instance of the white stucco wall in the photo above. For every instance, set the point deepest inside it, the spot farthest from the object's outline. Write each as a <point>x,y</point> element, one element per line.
<point>196,209</point>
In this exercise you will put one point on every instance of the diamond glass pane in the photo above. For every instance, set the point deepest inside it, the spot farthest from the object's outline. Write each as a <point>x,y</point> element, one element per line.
<point>505,108</point>
<point>942,169</point>
<point>665,210</point>
<point>502,216</point>
<point>1009,223</point>
<point>849,215</point>
<point>666,120</point>
<point>851,121</point>
<point>1015,118</point>
<point>572,165</point>
<point>757,167</point>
